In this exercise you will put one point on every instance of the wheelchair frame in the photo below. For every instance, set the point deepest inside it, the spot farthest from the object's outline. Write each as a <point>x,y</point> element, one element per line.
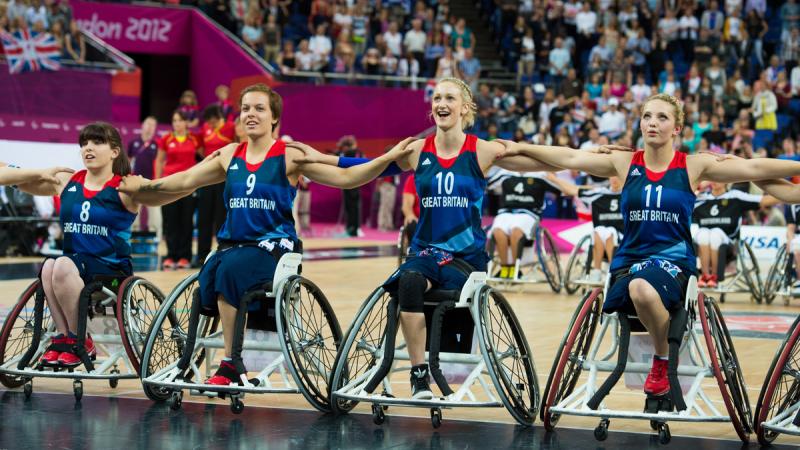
<point>780,278</point>
<point>543,255</point>
<point>739,280</point>
<point>580,349</point>
<point>487,370</point>
<point>38,328</point>
<point>778,407</point>
<point>169,382</point>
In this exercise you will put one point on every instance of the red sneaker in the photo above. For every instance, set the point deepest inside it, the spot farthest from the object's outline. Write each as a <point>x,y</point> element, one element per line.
<point>57,345</point>
<point>68,358</point>
<point>184,263</point>
<point>225,375</point>
<point>703,281</point>
<point>712,281</point>
<point>657,383</point>
<point>168,264</point>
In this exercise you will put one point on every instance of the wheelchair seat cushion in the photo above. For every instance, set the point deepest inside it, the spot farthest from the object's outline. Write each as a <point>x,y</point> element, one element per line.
<point>92,268</point>
<point>671,290</point>
<point>232,273</point>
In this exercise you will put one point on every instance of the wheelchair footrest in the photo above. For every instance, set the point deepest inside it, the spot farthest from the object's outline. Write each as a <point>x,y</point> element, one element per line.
<point>657,403</point>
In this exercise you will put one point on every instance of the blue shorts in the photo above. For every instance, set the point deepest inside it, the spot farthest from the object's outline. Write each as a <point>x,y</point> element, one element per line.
<point>448,277</point>
<point>672,290</point>
<point>232,273</point>
<point>90,266</point>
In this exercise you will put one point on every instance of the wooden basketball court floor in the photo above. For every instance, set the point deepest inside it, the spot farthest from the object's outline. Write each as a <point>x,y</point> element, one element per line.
<point>543,315</point>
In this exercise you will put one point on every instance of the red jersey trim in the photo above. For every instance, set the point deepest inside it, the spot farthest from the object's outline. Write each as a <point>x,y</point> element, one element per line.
<point>278,149</point>
<point>80,177</point>
<point>678,162</point>
<point>469,146</point>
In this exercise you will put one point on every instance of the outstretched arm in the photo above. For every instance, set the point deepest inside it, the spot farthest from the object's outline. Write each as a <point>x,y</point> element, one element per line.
<point>47,182</point>
<point>598,164</point>
<point>737,169</point>
<point>494,152</point>
<point>567,188</point>
<point>312,155</point>
<point>352,176</point>
<point>780,189</point>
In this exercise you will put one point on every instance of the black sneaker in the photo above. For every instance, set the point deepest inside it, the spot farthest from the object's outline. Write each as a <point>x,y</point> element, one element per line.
<point>420,388</point>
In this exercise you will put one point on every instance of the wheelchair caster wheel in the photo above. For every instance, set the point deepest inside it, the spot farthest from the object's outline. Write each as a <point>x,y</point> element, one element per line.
<point>114,382</point>
<point>175,400</point>
<point>653,425</point>
<point>28,389</point>
<point>237,406</point>
<point>77,389</point>
<point>378,416</point>
<point>436,417</point>
<point>601,431</point>
<point>664,435</point>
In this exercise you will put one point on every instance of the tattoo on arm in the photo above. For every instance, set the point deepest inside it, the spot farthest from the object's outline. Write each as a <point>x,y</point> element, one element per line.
<point>151,187</point>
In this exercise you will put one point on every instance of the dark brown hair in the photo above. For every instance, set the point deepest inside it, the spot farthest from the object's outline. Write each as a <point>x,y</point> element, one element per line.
<point>275,100</point>
<point>105,133</point>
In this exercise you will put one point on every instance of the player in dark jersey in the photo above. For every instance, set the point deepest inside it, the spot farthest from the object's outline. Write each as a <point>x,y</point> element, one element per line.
<point>96,220</point>
<point>607,220</point>
<point>656,257</point>
<point>716,220</point>
<point>260,176</point>
<point>521,207</point>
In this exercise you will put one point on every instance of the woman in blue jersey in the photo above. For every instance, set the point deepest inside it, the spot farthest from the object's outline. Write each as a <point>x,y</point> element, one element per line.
<point>260,178</point>
<point>96,221</point>
<point>656,257</point>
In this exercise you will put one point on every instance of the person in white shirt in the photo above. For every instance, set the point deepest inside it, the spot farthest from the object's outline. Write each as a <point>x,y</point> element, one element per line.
<point>306,59</point>
<point>612,122</point>
<point>640,90</point>
<point>393,39</point>
<point>415,40</point>
<point>586,20</point>
<point>688,26</point>
<point>320,44</point>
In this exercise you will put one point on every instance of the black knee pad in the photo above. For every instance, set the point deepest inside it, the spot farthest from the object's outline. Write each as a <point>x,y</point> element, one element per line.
<point>410,290</point>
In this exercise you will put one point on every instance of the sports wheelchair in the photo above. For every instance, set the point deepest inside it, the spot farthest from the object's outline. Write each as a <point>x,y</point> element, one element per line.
<point>533,260</point>
<point>473,335</point>
<point>778,407</point>
<point>117,310</point>
<point>293,337</point>
<point>781,278</point>
<point>703,354</point>
<point>579,266</point>
<point>404,237</point>
<point>744,276</point>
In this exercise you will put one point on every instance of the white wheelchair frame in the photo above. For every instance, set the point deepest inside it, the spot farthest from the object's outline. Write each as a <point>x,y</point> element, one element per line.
<point>532,257</point>
<point>698,406</point>
<point>738,280</point>
<point>168,383</point>
<point>482,387</point>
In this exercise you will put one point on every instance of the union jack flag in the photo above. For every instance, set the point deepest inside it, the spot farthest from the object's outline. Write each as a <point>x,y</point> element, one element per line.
<point>28,51</point>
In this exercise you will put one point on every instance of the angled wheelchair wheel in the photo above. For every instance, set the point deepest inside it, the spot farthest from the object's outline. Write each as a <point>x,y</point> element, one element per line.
<point>402,246</point>
<point>548,255</point>
<point>493,269</point>
<point>312,336</point>
<point>781,387</point>
<point>504,346</point>
<point>17,333</point>
<point>574,347</point>
<point>725,366</point>
<point>777,275</point>
<point>578,263</point>
<point>166,338</point>
<point>362,346</point>
<point>751,272</point>
<point>138,302</point>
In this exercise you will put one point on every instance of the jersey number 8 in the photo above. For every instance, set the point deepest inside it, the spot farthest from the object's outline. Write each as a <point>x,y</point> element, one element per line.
<point>85,211</point>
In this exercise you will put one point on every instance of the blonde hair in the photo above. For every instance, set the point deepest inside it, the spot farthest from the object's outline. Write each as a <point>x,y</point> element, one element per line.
<point>466,96</point>
<point>677,106</point>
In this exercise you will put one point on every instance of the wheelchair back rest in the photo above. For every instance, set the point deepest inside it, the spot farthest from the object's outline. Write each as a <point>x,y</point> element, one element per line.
<point>458,330</point>
<point>288,265</point>
<point>474,282</point>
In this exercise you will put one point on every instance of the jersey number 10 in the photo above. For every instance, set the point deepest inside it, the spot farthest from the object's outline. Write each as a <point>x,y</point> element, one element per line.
<point>449,181</point>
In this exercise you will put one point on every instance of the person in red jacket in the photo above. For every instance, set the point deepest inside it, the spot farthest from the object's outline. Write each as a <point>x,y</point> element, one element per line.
<point>178,151</point>
<point>217,132</point>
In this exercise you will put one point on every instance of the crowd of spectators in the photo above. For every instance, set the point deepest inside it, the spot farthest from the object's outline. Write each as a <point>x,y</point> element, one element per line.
<point>46,16</point>
<point>586,67</point>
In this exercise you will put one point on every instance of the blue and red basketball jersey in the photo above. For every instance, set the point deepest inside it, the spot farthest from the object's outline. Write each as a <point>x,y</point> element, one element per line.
<point>95,222</point>
<point>657,211</point>
<point>451,199</point>
<point>258,198</point>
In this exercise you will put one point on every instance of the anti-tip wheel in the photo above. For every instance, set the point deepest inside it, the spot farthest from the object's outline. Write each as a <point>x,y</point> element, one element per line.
<point>436,417</point>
